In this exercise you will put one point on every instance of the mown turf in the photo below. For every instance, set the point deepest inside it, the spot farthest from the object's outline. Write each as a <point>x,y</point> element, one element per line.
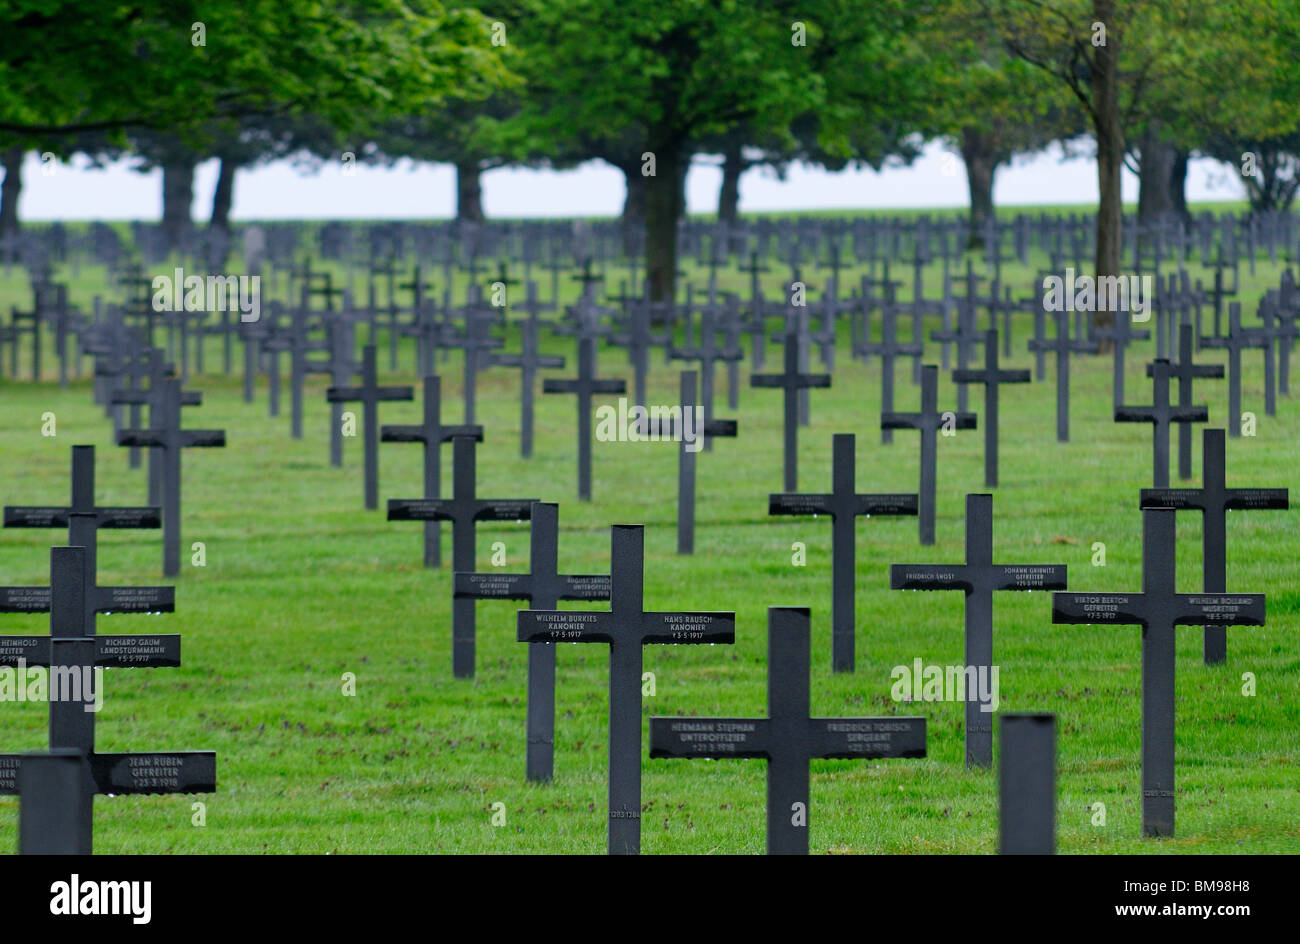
<point>302,585</point>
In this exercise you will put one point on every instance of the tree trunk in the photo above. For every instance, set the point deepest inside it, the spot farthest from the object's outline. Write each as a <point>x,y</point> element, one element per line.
<point>633,219</point>
<point>1155,177</point>
<point>469,192</point>
<point>981,166</point>
<point>224,194</point>
<point>733,165</point>
<point>665,200</point>
<point>1178,183</point>
<point>9,191</point>
<point>178,198</point>
<point>1110,150</point>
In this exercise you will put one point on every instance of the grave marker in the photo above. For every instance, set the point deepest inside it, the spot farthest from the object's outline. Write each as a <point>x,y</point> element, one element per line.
<point>625,628</point>
<point>843,505</point>
<point>72,650</point>
<point>543,587</point>
<point>1160,415</point>
<point>431,434</point>
<point>370,394</point>
<point>1214,500</point>
<point>464,510</point>
<point>1158,609</point>
<point>584,386</point>
<point>979,578</point>
<point>788,738</point>
<point>927,422</point>
<point>167,436</point>
<point>674,429</point>
<point>991,377</point>
<point>791,382</point>
<point>1027,784</point>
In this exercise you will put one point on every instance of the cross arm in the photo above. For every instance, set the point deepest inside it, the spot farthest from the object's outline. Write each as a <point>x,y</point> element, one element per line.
<point>491,586</point>
<point>788,503</point>
<point>134,599</point>
<point>584,586</point>
<point>798,380</point>
<point>113,652</point>
<point>173,772</point>
<point>887,504</point>
<point>1030,577</point>
<point>1220,609</point>
<point>159,772</point>
<point>1257,498</point>
<point>120,517</point>
<point>709,737</point>
<point>1190,370</point>
<point>498,509</point>
<point>866,737</point>
<point>1120,609</point>
<point>564,626</point>
<point>1177,498</point>
<point>929,577</point>
<point>420,509</point>
<point>706,627</point>
<point>141,437</point>
<point>203,437</point>
<point>31,516</point>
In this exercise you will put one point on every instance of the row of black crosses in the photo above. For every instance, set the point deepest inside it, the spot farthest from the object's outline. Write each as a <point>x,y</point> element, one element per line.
<point>627,627</point>
<point>58,786</point>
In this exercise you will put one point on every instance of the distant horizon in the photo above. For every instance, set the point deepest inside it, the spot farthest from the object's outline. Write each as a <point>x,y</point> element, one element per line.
<point>280,191</point>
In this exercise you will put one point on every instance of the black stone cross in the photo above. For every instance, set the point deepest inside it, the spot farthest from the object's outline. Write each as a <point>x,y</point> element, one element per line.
<point>979,578</point>
<point>1238,339</point>
<point>675,427</point>
<point>927,422</point>
<point>71,651</point>
<point>791,382</point>
<point>1064,347</point>
<point>757,321</point>
<point>1121,334</point>
<point>889,349</point>
<point>585,386</point>
<point>1186,371</point>
<point>991,377</point>
<point>1158,609</point>
<point>1027,784</point>
<point>708,353</point>
<point>370,394</point>
<point>528,360</point>
<point>431,434</point>
<point>155,369</point>
<point>543,587</point>
<point>788,738</point>
<point>464,510</point>
<point>1160,415</point>
<point>843,505</point>
<point>83,519</point>
<point>477,344</point>
<point>167,436</point>
<point>625,629</point>
<point>1214,500</point>
<point>964,335</point>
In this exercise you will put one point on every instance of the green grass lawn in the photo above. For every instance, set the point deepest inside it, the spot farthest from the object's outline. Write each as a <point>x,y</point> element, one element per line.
<point>302,585</point>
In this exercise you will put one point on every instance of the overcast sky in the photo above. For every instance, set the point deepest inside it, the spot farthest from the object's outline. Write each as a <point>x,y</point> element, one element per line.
<point>282,191</point>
